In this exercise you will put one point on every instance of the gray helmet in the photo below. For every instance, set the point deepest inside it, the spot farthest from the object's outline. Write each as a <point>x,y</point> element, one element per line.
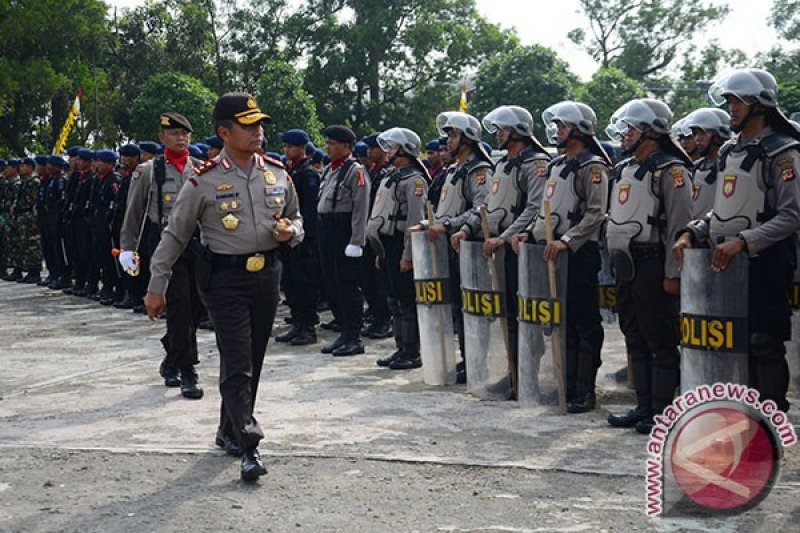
<point>402,137</point>
<point>710,119</point>
<point>509,116</point>
<point>579,115</point>
<point>456,120</point>
<point>680,129</point>
<point>745,83</point>
<point>640,113</point>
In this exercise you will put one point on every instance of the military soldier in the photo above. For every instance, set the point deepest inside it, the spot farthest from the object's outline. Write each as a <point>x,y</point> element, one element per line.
<point>303,268</point>
<point>246,207</point>
<point>756,211</point>
<point>343,207</point>
<point>80,212</point>
<point>130,290</point>
<point>577,189</point>
<point>28,249</point>
<point>10,191</point>
<point>399,204</point>
<point>710,127</point>
<point>153,191</point>
<point>650,202</point>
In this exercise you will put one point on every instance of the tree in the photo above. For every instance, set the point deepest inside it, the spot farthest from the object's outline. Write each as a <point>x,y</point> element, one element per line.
<point>172,92</point>
<point>642,37</point>
<point>281,95</point>
<point>533,77</point>
<point>608,89</point>
<point>786,18</point>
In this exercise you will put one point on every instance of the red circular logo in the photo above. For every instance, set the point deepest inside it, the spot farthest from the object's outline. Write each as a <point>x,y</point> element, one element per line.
<point>724,459</point>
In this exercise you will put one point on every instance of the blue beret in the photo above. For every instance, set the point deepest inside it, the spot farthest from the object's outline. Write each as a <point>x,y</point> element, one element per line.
<point>442,141</point>
<point>195,151</point>
<point>13,162</point>
<point>28,161</point>
<point>106,156</point>
<point>360,149</point>
<point>159,149</point>
<point>214,141</point>
<point>129,149</point>
<point>326,159</point>
<point>318,156</point>
<point>149,146</point>
<point>203,147</point>
<point>41,159</point>
<point>72,152</point>
<point>2,162</point>
<point>432,146</point>
<point>85,153</point>
<point>371,140</point>
<point>56,160</point>
<point>274,155</point>
<point>295,137</point>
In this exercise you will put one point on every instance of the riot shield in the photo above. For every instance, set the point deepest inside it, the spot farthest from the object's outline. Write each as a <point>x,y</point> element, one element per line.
<point>714,329</point>
<point>485,323</point>
<point>542,327</point>
<point>434,309</point>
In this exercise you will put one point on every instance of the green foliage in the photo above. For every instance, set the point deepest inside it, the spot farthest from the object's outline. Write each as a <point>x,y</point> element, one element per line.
<point>533,77</point>
<point>608,89</point>
<point>172,92</point>
<point>786,18</point>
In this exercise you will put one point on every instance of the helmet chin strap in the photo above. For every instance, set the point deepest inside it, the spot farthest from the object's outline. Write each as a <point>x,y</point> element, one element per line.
<point>644,137</point>
<point>715,142</point>
<point>571,135</point>
<point>751,112</point>
<point>512,137</point>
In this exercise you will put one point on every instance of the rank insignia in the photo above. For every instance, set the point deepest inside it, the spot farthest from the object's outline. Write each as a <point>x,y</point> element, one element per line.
<point>419,187</point>
<point>728,186</point>
<point>624,193</point>
<point>269,178</point>
<point>230,222</point>
<point>788,174</point>
<point>224,187</point>
<point>677,177</point>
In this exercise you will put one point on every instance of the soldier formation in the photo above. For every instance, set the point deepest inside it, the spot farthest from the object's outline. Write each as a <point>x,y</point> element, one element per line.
<point>213,225</point>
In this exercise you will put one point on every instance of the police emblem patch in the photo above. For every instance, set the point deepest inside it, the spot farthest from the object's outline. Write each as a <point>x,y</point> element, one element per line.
<point>419,187</point>
<point>550,190</point>
<point>788,174</point>
<point>624,193</point>
<point>481,179</point>
<point>269,178</point>
<point>728,186</point>
<point>541,169</point>
<point>677,177</point>
<point>597,176</point>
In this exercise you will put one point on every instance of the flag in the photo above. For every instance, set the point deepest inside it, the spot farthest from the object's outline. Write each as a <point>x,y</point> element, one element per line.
<point>71,116</point>
<point>462,104</point>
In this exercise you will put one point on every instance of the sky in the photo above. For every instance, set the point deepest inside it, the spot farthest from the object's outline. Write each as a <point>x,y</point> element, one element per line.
<point>547,22</point>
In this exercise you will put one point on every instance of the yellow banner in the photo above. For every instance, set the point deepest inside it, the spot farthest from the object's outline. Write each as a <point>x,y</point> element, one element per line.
<point>73,114</point>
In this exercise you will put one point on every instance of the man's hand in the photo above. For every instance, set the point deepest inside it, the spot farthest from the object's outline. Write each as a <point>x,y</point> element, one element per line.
<point>456,238</point>
<point>724,254</point>
<point>518,239</point>
<point>683,242</point>
<point>284,231</point>
<point>672,286</point>
<point>435,230</point>
<point>554,248</point>
<point>155,305</point>
<point>406,266</point>
<point>492,245</point>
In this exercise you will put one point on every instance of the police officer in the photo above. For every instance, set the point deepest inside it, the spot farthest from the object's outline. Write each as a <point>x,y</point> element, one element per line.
<point>104,196</point>
<point>343,207</point>
<point>54,202</point>
<point>149,150</point>
<point>756,211</point>
<point>436,169</point>
<point>27,245</point>
<point>577,189</point>
<point>711,128</point>
<point>246,207</point>
<point>650,201</point>
<point>129,291</point>
<point>66,226</point>
<point>153,191</point>
<point>399,204</point>
<point>80,213</point>
<point>360,153</point>
<point>214,146</point>
<point>683,133</point>
<point>465,189</point>
<point>303,268</point>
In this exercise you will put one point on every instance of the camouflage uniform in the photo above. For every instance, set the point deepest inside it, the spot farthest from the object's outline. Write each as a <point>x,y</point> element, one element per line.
<point>26,249</point>
<point>8,192</point>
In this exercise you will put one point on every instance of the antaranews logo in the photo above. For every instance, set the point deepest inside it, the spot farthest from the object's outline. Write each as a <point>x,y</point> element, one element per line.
<point>715,450</point>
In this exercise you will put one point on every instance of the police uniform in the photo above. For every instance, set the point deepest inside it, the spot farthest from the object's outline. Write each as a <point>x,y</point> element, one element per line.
<point>103,198</point>
<point>704,179</point>
<point>41,216</point>
<point>399,204</point>
<point>577,190</point>
<point>238,210</point>
<point>153,191</point>
<point>757,199</point>
<point>343,208</point>
<point>650,202</point>
<point>130,290</point>
<point>80,212</point>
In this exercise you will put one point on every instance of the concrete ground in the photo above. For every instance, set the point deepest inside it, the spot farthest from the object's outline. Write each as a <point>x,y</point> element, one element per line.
<point>91,440</point>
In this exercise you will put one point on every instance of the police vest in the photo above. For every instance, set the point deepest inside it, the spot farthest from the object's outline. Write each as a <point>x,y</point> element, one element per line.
<point>740,195</point>
<point>453,200</point>
<point>635,213</point>
<point>507,196</point>
<point>703,189</point>
<point>560,191</point>
<point>390,210</point>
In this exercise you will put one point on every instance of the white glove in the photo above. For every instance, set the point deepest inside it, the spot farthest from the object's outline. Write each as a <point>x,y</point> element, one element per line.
<point>353,250</point>
<point>127,261</point>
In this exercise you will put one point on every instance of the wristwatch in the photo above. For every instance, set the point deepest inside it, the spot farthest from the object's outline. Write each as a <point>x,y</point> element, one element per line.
<point>447,225</point>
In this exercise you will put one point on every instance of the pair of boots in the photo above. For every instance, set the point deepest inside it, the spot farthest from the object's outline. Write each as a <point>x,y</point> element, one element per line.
<point>299,335</point>
<point>655,390</point>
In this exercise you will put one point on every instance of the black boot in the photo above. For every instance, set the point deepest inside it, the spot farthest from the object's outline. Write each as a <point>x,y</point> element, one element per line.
<point>170,375</point>
<point>769,371</point>
<point>308,335</point>
<point>252,466</point>
<point>31,277</point>
<point>378,330</point>
<point>386,361</point>
<point>289,335</point>
<point>189,387</point>
<point>15,276</point>
<point>406,361</point>
<point>335,344</point>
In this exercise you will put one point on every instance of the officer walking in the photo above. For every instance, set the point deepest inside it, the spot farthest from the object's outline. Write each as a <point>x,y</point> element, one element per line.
<point>756,211</point>
<point>650,202</point>
<point>153,191</point>
<point>246,207</point>
<point>343,207</point>
<point>399,204</point>
<point>711,128</point>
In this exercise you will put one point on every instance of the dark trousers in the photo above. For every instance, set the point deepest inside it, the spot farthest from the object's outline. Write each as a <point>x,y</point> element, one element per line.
<point>401,298</point>
<point>104,267</point>
<point>83,247</point>
<point>770,280</point>
<point>184,310</point>
<point>648,318</point>
<point>57,264</point>
<point>46,252</point>
<point>584,325</point>
<point>374,287</point>
<point>455,291</point>
<point>242,305</point>
<point>511,266</point>
<point>343,273</point>
<point>301,279</point>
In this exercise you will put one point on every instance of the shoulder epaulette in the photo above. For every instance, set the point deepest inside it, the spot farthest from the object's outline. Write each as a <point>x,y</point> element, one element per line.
<point>204,167</point>
<point>275,162</point>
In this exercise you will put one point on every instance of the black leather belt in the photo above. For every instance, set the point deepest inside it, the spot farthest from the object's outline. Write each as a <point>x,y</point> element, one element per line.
<point>254,262</point>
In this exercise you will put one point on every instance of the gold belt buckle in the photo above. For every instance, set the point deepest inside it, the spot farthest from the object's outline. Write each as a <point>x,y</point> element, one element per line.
<point>255,263</point>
